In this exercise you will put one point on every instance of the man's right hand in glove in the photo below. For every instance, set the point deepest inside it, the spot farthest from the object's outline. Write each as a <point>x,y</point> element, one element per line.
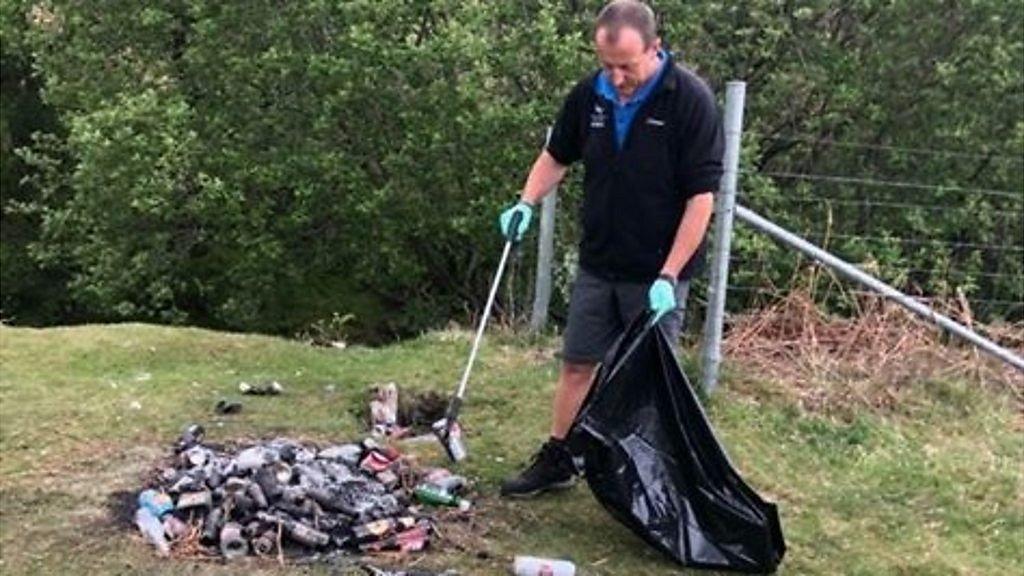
<point>505,221</point>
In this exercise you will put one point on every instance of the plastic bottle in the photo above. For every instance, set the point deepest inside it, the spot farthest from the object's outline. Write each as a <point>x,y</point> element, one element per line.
<point>152,529</point>
<point>157,503</point>
<point>429,494</point>
<point>533,566</point>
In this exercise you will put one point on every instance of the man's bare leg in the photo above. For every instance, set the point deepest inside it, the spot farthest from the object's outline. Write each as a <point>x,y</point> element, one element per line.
<point>574,382</point>
<point>552,467</point>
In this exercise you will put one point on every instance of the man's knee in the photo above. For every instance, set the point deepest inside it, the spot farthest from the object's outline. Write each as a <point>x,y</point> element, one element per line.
<point>576,373</point>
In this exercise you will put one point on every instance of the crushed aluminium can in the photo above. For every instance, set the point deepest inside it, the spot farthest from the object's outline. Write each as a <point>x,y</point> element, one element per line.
<point>451,437</point>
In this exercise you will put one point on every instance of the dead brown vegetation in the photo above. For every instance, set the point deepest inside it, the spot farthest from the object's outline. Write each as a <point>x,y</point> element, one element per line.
<point>832,363</point>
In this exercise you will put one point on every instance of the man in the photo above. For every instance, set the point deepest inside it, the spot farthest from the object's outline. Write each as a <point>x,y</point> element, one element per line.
<point>651,142</point>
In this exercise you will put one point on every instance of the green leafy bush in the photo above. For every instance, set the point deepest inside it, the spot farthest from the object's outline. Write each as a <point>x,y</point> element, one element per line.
<point>265,166</point>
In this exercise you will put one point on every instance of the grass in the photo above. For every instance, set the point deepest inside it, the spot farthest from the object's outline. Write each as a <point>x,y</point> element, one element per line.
<point>932,488</point>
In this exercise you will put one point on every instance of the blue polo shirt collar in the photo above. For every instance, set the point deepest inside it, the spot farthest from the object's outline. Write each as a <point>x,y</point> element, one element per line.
<point>625,111</point>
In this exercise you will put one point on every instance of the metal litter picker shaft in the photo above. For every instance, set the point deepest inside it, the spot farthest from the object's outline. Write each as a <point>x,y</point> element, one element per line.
<point>447,429</point>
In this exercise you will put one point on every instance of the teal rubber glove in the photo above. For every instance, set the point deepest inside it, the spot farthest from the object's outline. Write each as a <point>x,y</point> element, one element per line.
<point>505,221</point>
<point>661,297</point>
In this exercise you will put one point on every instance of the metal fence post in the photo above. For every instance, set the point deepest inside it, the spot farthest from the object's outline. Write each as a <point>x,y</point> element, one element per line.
<point>725,202</point>
<point>545,258</point>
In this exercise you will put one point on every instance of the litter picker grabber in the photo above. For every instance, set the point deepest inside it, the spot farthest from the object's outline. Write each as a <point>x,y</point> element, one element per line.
<point>447,429</point>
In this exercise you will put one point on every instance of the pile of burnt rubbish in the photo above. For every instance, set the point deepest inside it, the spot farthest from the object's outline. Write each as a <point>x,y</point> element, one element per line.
<point>286,498</point>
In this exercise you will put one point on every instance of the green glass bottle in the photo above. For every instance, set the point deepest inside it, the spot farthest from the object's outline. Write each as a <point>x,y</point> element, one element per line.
<point>429,494</point>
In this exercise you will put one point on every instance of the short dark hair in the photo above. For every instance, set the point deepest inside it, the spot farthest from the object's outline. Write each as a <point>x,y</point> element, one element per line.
<point>633,14</point>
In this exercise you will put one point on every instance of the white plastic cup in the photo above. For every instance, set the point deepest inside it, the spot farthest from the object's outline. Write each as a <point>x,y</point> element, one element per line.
<point>533,566</point>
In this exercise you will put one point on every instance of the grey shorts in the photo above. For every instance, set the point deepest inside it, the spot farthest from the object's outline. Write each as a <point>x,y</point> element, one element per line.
<point>600,310</point>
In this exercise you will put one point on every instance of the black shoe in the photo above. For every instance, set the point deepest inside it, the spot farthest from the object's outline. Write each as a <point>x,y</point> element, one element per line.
<point>551,469</point>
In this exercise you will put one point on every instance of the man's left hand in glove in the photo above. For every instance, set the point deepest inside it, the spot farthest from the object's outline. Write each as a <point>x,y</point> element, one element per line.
<point>661,297</point>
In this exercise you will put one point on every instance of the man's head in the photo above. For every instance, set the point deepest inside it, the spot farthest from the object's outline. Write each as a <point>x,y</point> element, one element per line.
<point>627,43</point>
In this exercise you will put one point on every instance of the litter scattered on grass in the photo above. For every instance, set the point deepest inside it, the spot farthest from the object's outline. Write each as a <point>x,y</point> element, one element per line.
<point>394,414</point>
<point>533,566</point>
<point>283,499</point>
<point>225,406</point>
<point>272,388</point>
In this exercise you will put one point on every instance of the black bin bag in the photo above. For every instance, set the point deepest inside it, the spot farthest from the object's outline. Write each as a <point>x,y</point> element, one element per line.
<point>652,460</point>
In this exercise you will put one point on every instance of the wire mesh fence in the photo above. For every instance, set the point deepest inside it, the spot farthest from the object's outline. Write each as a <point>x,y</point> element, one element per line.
<point>954,234</point>
<point>950,233</point>
<point>943,225</point>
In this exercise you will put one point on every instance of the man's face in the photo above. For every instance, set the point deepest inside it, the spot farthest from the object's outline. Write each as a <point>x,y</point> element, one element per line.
<point>626,61</point>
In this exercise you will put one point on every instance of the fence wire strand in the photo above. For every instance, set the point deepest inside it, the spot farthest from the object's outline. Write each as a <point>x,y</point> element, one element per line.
<point>904,149</point>
<point>902,263</point>
<point>889,183</point>
<point>919,241</point>
<point>827,200</point>
<point>780,292</point>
